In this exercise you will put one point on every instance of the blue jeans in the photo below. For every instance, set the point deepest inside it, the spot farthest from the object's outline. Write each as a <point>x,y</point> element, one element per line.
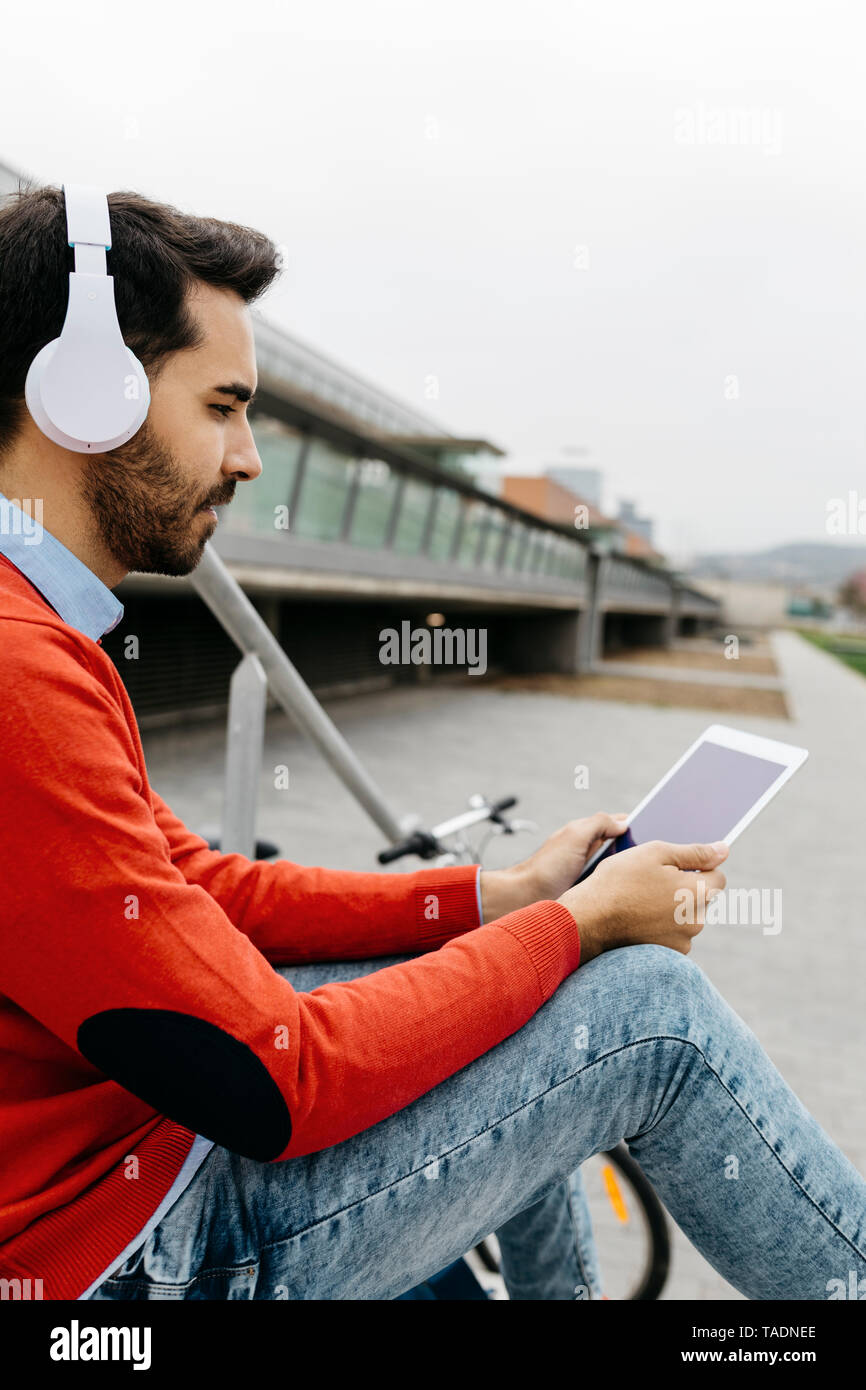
<point>637,1045</point>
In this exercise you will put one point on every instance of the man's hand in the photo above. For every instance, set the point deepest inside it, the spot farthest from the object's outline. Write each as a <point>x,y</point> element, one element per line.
<point>631,898</point>
<point>551,870</point>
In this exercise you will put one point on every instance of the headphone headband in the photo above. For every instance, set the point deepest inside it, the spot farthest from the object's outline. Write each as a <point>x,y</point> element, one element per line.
<point>87,217</point>
<point>86,390</point>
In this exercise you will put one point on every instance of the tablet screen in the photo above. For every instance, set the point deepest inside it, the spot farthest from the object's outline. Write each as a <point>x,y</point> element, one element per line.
<point>703,800</point>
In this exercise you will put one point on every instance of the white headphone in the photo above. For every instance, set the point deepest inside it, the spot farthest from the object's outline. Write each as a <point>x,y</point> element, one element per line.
<point>87,390</point>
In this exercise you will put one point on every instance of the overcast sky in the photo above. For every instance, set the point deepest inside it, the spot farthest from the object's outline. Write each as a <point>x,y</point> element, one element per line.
<point>634,229</point>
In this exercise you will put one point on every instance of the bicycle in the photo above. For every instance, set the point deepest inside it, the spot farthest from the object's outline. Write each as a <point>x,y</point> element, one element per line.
<point>629,1224</point>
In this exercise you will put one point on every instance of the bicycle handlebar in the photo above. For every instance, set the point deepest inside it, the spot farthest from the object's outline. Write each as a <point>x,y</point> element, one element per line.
<point>422,843</point>
<point>425,843</point>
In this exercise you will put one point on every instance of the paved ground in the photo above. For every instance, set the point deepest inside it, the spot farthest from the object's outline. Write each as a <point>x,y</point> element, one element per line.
<point>801,990</point>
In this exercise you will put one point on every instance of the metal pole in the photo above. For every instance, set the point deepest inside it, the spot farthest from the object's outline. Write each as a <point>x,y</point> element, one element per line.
<point>230,605</point>
<point>591,623</point>
<point>248,695</point>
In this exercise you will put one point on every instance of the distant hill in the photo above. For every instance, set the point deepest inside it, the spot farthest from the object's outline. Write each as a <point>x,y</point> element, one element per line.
<point>800,562</point>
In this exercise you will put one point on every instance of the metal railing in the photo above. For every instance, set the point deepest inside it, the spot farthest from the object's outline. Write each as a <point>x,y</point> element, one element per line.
<point>265,665</point>
<point>627,578</point>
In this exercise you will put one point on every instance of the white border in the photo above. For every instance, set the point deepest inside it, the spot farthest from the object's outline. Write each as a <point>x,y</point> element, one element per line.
<point>786,754</point>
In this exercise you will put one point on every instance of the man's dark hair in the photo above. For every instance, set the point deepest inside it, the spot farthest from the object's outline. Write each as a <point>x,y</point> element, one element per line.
<point>157,253</point>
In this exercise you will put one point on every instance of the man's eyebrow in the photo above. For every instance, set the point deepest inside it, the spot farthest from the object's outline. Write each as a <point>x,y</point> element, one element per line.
<point>237,388</point>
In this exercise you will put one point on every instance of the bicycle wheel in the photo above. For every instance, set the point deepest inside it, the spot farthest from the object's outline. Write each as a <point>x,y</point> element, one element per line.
<point>629,1226</point>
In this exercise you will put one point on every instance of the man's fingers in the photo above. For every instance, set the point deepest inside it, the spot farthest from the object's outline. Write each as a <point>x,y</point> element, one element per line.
<point>604,826</point>
<point>698,856</point>
<point>701,889</point>
<point>715,881</point>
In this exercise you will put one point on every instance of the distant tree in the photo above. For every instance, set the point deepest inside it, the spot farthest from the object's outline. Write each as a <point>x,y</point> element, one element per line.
<point>852,593</point>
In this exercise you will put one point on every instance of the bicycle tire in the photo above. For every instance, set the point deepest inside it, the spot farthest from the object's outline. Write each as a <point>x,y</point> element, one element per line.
<point>653,1277</point>
<point>658,1263</point>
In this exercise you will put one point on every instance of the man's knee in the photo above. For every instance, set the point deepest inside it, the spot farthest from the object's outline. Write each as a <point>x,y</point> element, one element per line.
<point>659,991</point>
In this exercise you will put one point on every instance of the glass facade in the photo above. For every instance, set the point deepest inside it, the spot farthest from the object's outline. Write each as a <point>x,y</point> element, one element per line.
<point>262,506</point>
<point>324,492</point>
<point>311,489</point>
<point>377,488</point>
<point>515,546</point>
<point>496,534</point>
<point>444,527</point>
<point>473,535</point>
<point>411,527</point>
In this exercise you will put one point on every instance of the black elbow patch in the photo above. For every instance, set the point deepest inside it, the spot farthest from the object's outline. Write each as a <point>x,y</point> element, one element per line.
<point>194,1072</point>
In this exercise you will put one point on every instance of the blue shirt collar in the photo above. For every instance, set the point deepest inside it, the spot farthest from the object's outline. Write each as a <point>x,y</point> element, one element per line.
<point>73,590</point>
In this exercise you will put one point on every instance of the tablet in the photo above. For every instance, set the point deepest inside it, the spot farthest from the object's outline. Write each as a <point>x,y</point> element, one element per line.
<point>712,793</point>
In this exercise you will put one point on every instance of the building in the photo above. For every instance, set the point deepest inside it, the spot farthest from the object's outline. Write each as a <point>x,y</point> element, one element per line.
<point>546,495</point>
<point>584,482</point>
<point>638,525</point>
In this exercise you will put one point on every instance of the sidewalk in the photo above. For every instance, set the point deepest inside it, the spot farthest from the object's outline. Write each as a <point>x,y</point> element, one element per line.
<point>802,990</point>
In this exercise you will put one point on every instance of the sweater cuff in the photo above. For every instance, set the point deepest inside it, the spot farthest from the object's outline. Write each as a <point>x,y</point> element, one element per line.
<point>446,903</point>
<point>548,933</point>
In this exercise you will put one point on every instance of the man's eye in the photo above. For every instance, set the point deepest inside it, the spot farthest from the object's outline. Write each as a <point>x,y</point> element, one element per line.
<point>224,410</point>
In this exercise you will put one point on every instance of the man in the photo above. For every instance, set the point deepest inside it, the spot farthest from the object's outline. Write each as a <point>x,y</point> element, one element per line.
<point>221,1078</point>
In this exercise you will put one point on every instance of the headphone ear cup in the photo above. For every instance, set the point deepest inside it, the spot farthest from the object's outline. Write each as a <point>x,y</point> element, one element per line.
<point>86,390</point>
<point>143,389</point>
<point>57,424</point>
<point>33,393</point>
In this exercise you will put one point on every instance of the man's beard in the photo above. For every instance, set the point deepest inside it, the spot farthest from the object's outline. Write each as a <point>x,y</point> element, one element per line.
<point>147,516</point>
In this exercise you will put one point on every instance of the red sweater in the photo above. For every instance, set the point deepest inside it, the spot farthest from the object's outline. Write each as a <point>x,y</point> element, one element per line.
<point>138,1001</point>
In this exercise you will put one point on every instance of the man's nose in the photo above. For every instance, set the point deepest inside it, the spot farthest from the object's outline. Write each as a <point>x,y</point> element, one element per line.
<point>243,458</point>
